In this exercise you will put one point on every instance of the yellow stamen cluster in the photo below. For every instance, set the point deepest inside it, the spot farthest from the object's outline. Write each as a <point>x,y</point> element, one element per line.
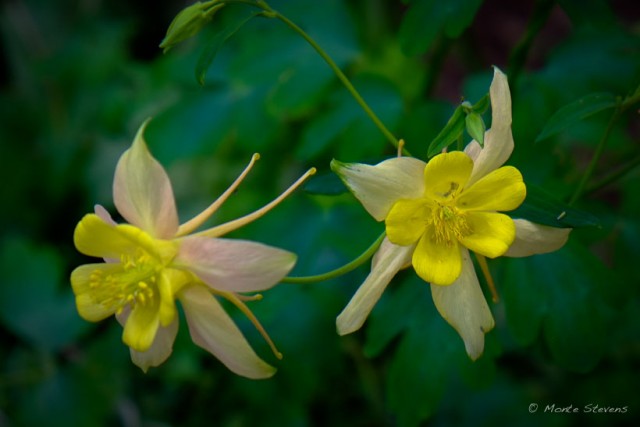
<point>134,284</point>
<point>449,224</point>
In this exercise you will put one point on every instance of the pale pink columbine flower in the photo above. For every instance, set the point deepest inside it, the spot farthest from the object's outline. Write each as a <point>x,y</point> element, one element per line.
<point>436,212</point>
<point>153,261</point>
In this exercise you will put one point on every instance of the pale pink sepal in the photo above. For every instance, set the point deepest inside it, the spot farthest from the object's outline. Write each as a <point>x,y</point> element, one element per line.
<point>473,150</point>
<point>234,265</point>
<point>103,214</point>
<point>212,329</point>
<point>533,239</point>
<point>498,141</point>
<point>378,187</point>
<point>386,263</point>
<point>142,191</point>
<point>464,306</point>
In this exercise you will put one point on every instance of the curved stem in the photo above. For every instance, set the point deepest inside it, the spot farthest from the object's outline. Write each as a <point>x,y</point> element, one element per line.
<point>341,270</point>
<point>271,13</point>
<point>343,78</point>
<point>622,106</point>
<point>614,176</point>
<point>521,51</point>
<point>596,156</point>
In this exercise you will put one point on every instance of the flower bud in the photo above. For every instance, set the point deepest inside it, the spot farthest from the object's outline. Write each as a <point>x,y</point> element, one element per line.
<point>188,23</point>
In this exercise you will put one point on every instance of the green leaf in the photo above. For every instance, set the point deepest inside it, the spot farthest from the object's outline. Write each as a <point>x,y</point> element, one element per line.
<point>450,133</point>
<point>30,304</point>
<point>475,127</point>
<point>482,105</point>
<point>347,127</point>
<point>542,208</point>
<point>561,294</point>
<point>384,323</point>
<point>577,111</point>
<point>426,19</point>
<point>428,354</point>
<point>216,42</point>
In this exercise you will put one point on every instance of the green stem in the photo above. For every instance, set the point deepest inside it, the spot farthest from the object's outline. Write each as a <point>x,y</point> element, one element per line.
<point>521,51</point>
<point>622,106</point>
<point>271,13</point>
<point>614,176</point>
<point>596,157</point>
<point>343,78</point>
<point>341,270</point>
<point>630,100</point>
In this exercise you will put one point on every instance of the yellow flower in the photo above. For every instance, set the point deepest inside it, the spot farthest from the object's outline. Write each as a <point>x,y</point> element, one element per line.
<point>451,214</point>
<point>153,261</point>
<point>436,212</point>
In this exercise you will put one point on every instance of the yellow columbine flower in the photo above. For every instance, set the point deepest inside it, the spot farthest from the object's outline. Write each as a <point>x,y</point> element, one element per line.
<point>436,212</point>
<point>450,215</point>
<point>152,261</point>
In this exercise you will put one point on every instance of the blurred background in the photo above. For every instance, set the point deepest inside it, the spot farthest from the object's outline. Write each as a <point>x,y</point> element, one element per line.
<point>77,78</point>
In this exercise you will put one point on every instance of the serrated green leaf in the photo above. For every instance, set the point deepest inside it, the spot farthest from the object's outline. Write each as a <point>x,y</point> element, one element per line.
<point>475,127</point>
<point>430,350</point>
<point>216,42</point>
<point>577,111</point>
<point>542,208</point>
<point>384,323</point>
<point>460,15</point>
<point>30,304</point>
<point>346,126</point>
<point>426,19</point>
<point>559,293</point>
<point>449,134</point>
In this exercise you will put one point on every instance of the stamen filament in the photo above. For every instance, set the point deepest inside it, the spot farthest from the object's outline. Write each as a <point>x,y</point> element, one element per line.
<point>242,306</point>
<point>195,222</point>
<point>400,147</point>
<point>482,261</point>
<point>237,223</point>
<point>256,297</point>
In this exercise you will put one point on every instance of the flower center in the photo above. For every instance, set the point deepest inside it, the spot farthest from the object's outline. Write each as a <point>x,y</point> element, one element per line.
<point>449,223</point>
<point>135,284</point>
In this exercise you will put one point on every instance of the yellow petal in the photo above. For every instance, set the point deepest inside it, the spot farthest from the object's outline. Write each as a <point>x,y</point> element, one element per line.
<point>159,351</point>
<point>406,221</point>
<point>437,263</point>
<point>142,191</point>
<point>500,190</point>
<point>498,141</point>
<point>170,283</point>
<point>464,307</point>
<point>142,325</point>
<point>94,237</point>
<point>492,233</point>
<point>92,304</point>
<point>446,175</point>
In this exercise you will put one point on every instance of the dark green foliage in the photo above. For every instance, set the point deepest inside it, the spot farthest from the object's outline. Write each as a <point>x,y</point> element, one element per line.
<point>78,78</point>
